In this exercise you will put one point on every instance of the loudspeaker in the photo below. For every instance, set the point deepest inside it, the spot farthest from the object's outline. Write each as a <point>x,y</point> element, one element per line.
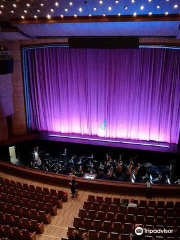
<point>6,63</point>
<point>104,42</point>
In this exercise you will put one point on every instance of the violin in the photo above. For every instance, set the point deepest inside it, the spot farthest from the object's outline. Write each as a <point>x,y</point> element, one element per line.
<point>119,168</point>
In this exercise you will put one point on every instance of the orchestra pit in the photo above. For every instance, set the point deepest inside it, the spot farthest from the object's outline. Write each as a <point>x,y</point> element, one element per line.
<point>90,120</point>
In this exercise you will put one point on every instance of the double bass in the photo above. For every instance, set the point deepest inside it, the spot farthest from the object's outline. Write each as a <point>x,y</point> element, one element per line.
<point>130,167</point>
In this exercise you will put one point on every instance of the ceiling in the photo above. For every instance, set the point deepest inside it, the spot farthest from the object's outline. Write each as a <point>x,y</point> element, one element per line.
<point>23,19</point>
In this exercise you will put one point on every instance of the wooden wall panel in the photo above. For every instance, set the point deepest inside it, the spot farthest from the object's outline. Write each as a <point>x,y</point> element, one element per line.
<point>6,103</point>
<point>3,130</point>
<point>19,120</point>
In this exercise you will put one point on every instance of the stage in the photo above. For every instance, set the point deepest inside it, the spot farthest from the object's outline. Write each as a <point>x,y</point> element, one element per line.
<point>109,142</point>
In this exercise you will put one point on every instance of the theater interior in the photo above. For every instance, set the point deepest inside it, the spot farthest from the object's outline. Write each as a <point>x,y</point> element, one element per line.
<point>89,119</point>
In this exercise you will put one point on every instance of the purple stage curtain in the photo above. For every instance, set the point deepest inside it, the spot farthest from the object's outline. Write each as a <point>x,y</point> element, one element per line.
<point>132,94</point>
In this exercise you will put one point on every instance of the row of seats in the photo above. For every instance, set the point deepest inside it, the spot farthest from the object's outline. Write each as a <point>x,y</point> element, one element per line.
<point>16,233</point>
<point>34,189</point>
<point>40,216</point>
<point>21,223</point>
<point>119,227</point>
<point>27,202</point>
<point>31,195</point>
<point>129,218</point>
<point>102,235</point>
<point>25,208</point>
<point>131,210</point>
<point>140,203</point>
<point>106,218</point>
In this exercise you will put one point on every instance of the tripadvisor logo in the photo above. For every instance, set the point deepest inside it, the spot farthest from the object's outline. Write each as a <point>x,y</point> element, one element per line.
<point>139,231</point>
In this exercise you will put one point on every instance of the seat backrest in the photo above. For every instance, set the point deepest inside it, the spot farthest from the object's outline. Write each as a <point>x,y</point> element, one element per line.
<point>125,237</point>
<point>103,235</point>
<point>99,199</point>
<point>92,235</point>
<point>114,236</point>
<point>91,198</point>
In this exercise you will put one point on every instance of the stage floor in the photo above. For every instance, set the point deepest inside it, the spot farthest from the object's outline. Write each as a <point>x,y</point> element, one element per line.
<point>110,142</point>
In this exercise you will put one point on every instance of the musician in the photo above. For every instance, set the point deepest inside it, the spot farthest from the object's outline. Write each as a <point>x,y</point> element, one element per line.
<point>159,179</point>
<point>91,169</point>
<point>80,173</point>
<point>110,174</point>
<point>37,159</point>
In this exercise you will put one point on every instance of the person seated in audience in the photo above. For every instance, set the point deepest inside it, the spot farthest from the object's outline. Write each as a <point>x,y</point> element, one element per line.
<point>124,202</point>
<point>74,235</point>
<point>132,204</point>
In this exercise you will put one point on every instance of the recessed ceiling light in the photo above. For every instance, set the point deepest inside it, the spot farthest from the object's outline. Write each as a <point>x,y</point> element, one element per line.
<point>109,8</point>
<point>104,14</point>
<point>150,0</point>
<point>175,6</point>
<point>25,11</point>
<point>125,7</point>
<point>52,10</point>
<point>56,4</point>
<point>95,9</point>
<point>14,5</point>
<point>61,15</point>
<point>66,10</point>
<point>75,15</point>
<point>48,16</point>
<point>2,6</point>
<point>150,13</point>
<point>35,16</point>
<point>133,1</point>
<point>42,5</point>
<point>28,5</point>
<point>142,7</point>
<point>12,11</point>
<point>80,9</point>
<point>158,6</point>
<point>89,15</point>
<point>166,13</point>
<point>0,12</point>
<point>22,17</point>
<point>70,3</point>
<point>100,2</point>
<point>135,14</point>
<point>119,14</point>
<point>38,11</point>
<point>116,1</point>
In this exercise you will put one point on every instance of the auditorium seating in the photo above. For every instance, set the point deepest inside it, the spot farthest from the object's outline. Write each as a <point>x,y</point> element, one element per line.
<point>19,187</point>
<point>112,219</point>
<point>24,209</point>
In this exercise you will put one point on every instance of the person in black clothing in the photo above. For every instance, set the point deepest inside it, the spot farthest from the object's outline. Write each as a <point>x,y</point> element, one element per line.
<point>73,185</point>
